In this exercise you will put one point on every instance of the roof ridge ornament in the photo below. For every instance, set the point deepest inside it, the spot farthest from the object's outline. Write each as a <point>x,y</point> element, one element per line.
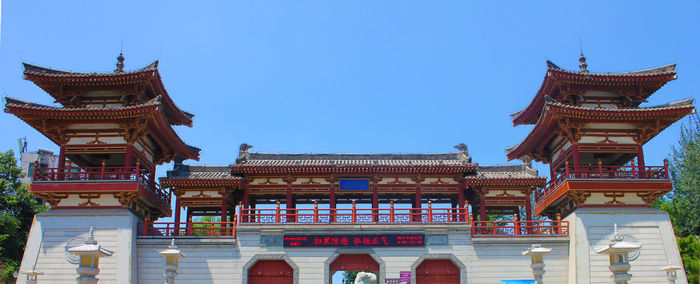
<point>120,63</point>
<point>243,153</point>
<point>582,64</point>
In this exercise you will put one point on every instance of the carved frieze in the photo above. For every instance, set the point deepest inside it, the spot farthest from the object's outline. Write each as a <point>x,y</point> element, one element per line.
<point>579,197</point>
<point>614,196</point>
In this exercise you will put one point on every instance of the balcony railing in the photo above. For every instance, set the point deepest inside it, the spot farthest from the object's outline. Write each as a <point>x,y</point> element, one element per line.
<point>354,215</point>
<point>520,229</point>
<point>201,229</point>
<point>87,174</point>
<point>603,172</point>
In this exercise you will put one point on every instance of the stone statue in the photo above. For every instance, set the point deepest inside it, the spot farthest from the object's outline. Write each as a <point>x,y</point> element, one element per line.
<point>365,278</point>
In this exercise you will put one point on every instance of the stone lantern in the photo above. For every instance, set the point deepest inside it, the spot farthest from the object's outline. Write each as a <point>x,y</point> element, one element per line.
<point>89,254</point>
<point>618,250</point>
<point>32,275</point>
<point>536,253</point>
<point>171,255</point>
<point>671,275</point>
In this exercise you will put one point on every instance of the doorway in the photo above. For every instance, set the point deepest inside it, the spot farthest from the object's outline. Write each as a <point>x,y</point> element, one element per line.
<point>271,272</point>
<point>437,271</point>
<point>351,263</point>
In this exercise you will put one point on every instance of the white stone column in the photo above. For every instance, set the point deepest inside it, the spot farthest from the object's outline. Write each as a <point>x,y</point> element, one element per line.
<point>171,255</point>
<point>89,254</point>
<point>618,250</point>
<point>536,254</point>
<point>671,274</point>
<point>32,275</point>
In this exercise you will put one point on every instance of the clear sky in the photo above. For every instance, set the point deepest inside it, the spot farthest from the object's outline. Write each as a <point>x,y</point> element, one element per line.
<point>349,76</point>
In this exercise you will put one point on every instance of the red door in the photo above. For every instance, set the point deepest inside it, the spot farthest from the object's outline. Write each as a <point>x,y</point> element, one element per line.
<point>354,262</point>
<point>437,271</point>
<point>271,272</point>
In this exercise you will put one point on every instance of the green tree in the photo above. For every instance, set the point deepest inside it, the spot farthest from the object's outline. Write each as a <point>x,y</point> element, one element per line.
<point>690,253</point>
<point>17,209</point>
<point>682,202</point>
<point>684,166</point>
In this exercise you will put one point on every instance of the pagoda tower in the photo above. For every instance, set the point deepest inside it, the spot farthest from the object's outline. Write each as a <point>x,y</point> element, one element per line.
<point>590,129</point>
<point>113,129</point>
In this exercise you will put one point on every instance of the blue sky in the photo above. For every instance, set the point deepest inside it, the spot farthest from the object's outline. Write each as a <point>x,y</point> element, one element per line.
<point>349,76</point>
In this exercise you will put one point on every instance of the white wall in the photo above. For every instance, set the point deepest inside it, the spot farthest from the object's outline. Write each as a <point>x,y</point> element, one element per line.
<point>591,229</point>
<point>114,229</point>
<point>222,261</point>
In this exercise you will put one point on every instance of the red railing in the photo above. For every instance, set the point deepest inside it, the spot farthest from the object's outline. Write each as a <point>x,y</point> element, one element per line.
<point>602,172</point>
<point>83,174</point>
<point>203,229</point>
<point>515,229</point>
<point>354,215</point>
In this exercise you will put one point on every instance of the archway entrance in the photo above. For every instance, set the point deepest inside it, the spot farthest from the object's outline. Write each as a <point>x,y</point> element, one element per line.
<point>271,272</point>
<point>353,262</point>
<point>437,271</point>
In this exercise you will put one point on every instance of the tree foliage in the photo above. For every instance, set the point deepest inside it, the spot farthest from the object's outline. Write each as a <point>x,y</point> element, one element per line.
<point>684,166</point>
<point>17,209</point>
<point>690,253</point>
<point>682,202</point>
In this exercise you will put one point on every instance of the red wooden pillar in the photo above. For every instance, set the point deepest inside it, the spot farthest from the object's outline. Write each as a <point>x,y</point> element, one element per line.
<point>290,202</point>
<point>417,204</point>
<point>331,198</point>
<point>246,197</point>
<point>189,221</point>
<point>640,161</point>
<point>391,212</point>
<point>577,160</point>
<point>482,209</point>
<point>128,157</point>
<point>152,178</point>
<point>177,216</point>
<point>61,163</point>
<point>528,208</point>
<point>375,201</point>
<point>224,207</point>
<point>460,197</point>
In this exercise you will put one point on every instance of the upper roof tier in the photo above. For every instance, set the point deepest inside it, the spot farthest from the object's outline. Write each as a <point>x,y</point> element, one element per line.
<point>275,163</point>
<point>555,114</point>
<point>563,85</point>
<point>53,122</point>
<point>75,89</point>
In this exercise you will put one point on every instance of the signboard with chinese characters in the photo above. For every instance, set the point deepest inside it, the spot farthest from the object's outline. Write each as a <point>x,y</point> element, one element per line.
<point>405,276</point>
<point>354,184</point>
<point>392,240</point>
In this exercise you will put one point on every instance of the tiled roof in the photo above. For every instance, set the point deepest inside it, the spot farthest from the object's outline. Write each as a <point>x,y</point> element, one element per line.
<point>48,79</point>
<point>10,102</point>
<point>650,80</point>
<point>661,70</point>
<point>43,71</point>
<point>201,172</point>
<point>687,103</point>
<point>274,159</point>
<point>546,122</point>
<point>505,172</point>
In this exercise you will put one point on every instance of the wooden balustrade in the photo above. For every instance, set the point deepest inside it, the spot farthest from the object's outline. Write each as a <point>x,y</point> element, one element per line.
<point>600,171</point>
<point>102,174</point>
<point>174,229</point>
<point>353,215</point>
<point>518,229</point>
